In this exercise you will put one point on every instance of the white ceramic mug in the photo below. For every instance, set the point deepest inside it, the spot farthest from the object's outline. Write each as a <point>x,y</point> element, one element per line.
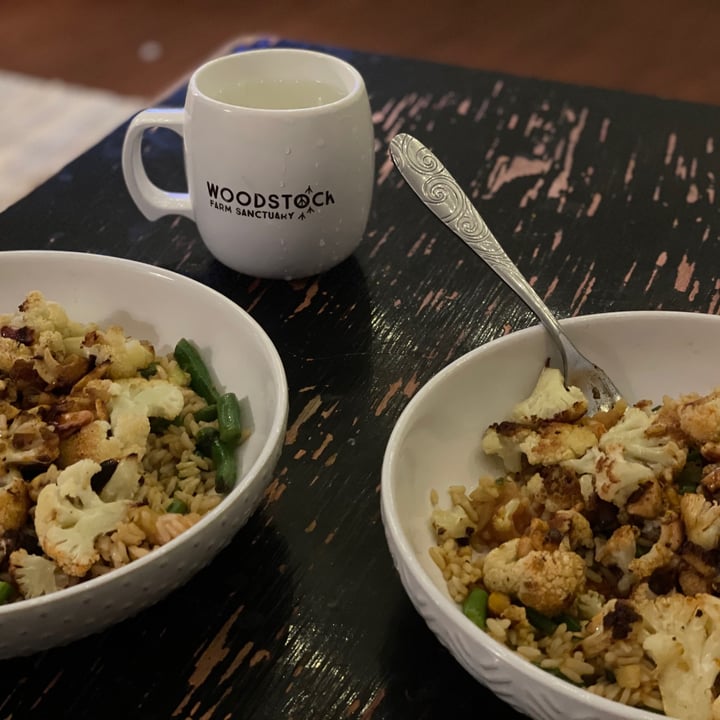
<point>279,158</point>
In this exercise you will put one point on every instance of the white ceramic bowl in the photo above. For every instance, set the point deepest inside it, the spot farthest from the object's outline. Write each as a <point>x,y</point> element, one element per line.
<point>436,443</point>
<point>160,306</point>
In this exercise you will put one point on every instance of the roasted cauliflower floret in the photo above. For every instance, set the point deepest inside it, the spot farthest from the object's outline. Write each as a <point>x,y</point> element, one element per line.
<point>547,444</point>
<point>452,523</point>
<point>125,355</point>
<point>701,519</point>
<point>682,636</point>
<point>35,575</point>
<point>550,400</point>
<point>131,403</point>
<point>663,552</point>
<point>699,418</point>
<point>60,370</point>
<point>629,455</point>
<point>651,502</point>
<point>503,440</point>
<point>45,315</point>
<point>124,481</point>
<point>28,440</point>
<point>503,519</point>
<point>574,527</point>
<point>554,488</point>
<point>547,581</point>
<point>640,443</point>
<point>619,551</point>
<point>69,516</point>
<point>541,426</point>
<point>617,478</point>
<point>14,501</point>
<point>10,352</point>
<point>94,441</point>
<point>554,442</point>
<point>566,529</point>
<point>39,326</point>
<point>588,604</point>
<point>538,537</point>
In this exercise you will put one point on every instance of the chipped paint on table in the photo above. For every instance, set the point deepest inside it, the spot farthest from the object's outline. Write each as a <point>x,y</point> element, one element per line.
<point>606,201</point>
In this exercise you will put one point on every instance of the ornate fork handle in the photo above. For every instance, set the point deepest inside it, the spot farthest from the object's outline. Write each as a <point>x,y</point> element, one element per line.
<point>440,192</point>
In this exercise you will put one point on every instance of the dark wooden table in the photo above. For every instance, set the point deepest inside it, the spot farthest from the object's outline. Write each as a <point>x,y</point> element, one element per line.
<point>607,201</point>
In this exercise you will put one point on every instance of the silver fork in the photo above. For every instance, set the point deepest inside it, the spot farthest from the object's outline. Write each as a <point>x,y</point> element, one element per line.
<point>440,192</point>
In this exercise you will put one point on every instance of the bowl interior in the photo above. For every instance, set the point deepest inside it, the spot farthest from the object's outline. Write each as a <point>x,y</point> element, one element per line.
<point>436,442</point>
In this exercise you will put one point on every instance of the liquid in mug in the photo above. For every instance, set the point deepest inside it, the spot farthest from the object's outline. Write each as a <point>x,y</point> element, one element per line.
<point>279,94</point>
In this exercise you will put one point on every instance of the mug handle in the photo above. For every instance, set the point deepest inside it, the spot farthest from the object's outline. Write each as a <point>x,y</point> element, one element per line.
<point>153,202</point>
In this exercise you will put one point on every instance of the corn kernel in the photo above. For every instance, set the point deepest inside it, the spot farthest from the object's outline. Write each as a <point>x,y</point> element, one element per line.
<point>497,603</point>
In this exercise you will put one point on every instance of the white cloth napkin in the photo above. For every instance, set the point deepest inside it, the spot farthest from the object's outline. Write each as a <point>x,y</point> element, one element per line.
<point>44,124</point>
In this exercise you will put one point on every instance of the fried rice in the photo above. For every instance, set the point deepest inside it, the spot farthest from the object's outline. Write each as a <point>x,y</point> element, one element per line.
<point>100,462</point>
<point>595,553</point>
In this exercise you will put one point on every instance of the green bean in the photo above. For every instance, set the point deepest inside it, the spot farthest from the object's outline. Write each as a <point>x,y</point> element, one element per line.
<point>475,606</point>
<point>206,414</point>
<point>209,444</point>
<point>217,444</point>
<point>223,457</point>
<point>6,592</point>
<point>548,625</point>
<point>229,419</point>
<point>177,506</point>
<point>205,438</point>
<point>188,358</point>
<point>571,623</point>
<point>543,623</point>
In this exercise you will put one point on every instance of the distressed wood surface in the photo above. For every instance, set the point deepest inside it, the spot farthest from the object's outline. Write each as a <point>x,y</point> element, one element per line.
<point>606,201</point>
